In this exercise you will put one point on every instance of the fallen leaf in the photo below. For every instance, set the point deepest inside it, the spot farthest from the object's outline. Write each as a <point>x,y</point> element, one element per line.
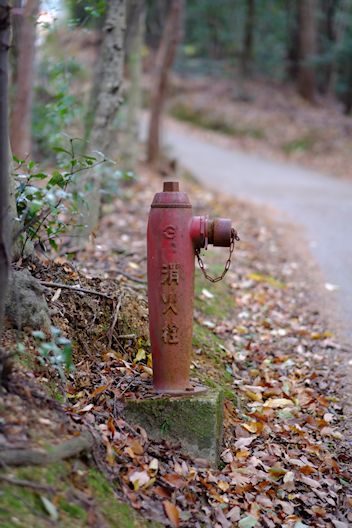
<point>139,479</point>
<point>174,480</point>
<point>87,408</point>
<point>50,508</point>
<point>224,486</point>
<point>248,522</point>
<point>244,442</point>
<point>141,354</point>
<point>207,294</point>
<point>254,427</point>
<point>276,403</point>
<point>136,447</point>
<point>153,466</point>
<point>172,512</point>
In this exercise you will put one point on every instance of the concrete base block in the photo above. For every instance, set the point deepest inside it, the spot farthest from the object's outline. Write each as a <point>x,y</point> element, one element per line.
<point>195,421</point>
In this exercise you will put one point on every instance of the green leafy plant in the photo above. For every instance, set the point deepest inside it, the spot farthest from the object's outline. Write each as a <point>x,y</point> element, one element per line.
<point>55,106</point>
<point>57,352</point>
<point>48,203</point>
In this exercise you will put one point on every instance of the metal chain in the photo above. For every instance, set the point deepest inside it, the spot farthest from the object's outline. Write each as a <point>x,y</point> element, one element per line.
<point>234,237</point>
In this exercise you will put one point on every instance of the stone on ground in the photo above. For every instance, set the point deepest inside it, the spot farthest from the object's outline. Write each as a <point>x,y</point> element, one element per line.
<point>195,421</point>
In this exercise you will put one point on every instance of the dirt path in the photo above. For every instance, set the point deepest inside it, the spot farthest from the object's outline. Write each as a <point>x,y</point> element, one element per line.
<point>319,204</point>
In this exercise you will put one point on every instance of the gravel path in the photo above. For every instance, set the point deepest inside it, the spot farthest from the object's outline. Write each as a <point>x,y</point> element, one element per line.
<point>320,204</point>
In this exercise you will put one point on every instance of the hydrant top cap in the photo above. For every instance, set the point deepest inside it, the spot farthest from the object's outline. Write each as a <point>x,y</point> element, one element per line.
<point>171,186</point>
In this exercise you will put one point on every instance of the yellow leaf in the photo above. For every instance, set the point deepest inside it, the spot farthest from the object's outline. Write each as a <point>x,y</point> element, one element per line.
<point>254,396</point>
<point>224,486</point>
<point>99,390</point>
<point>172,512</point>
<point>136,447</point>
<point>277,403</point>
<point>252,427</point>
<point>243,454</point>
<point>141,354</point>
<point>322,335</point>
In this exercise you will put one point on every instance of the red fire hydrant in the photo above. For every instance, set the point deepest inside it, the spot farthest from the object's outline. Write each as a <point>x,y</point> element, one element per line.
<point>174,238</point>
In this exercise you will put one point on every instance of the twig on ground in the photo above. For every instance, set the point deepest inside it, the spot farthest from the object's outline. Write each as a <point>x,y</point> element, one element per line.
<point>27,484</point>
<point>127,336</point>
<point>75,288</point>
<point>130,277</point>
<point>68,250</point>
<point>114,320</point>
<point>40,457</point>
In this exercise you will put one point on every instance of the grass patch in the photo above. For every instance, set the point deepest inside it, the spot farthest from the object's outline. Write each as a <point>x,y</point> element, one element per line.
<point>116,513</point>
<point>23,507</point>
<point>202,119</point>
<point>221,305</point>
<point>301,144</point>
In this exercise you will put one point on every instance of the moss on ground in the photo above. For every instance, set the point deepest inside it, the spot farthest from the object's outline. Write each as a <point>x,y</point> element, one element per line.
<point>303,143</point>
<point>210,365</point>
<point>202,119</point>
<point>65,507</point>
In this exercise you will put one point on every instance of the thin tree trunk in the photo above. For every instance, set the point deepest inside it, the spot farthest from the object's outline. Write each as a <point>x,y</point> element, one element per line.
<point>4,155</point>
<point>107,88</point>
<point>165,57</point>
<point>328,29</point>
<point>292,49</point>
<point>21,115</point>
<point>134,44</point>
<point>247,52</point>
<point>307,42</point>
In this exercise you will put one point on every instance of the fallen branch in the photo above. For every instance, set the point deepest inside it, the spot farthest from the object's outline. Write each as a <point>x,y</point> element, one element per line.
<point>41,457</point>
<point>130,277</point>
<point>114,321</point>
<point>27,484</point>
<point>75,288</point>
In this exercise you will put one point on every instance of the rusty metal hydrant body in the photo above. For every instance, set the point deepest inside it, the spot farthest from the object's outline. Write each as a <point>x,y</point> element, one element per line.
<point>174,237</point>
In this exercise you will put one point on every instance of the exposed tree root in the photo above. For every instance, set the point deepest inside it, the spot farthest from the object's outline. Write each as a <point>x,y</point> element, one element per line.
<point>41,457</point>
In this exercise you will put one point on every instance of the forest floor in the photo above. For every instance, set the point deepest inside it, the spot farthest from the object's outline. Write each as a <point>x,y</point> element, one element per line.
<point>268,119</point>
<point>258,335</point>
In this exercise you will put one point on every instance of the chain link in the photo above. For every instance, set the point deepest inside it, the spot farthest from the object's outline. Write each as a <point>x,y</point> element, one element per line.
<point>234,237</point>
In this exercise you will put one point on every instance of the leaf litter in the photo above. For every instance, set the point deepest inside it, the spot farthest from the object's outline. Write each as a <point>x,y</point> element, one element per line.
<point>285,459</point>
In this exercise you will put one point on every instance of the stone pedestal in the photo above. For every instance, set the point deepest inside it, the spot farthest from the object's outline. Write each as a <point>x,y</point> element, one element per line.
<point>195,421</point>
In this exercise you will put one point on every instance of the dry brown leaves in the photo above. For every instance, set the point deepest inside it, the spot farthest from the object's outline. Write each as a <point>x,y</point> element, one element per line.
<point>285,460</point>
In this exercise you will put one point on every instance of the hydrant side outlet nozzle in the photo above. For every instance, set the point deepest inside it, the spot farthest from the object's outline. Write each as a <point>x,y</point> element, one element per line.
<point>173,238</point>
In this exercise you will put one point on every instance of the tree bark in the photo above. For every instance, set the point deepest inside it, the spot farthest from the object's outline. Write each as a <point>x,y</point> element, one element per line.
<point>292,49</point>
<point>328,29</point>
<point>134,43</point>
<point>165,57</point>
<point>307,43</point>
<point>21,115</point>
<point>4,156</point>
<point>247,52</point>
<point>107,99</point>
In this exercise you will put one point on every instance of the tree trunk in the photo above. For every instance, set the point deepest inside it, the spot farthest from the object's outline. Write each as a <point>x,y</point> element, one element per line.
<point>21,115</point>
<point>107,89</point>
<point>165,57</point>
<point>134,44</point>
<point>4,155</point>
<point>247,51</point>
<point>307,44</point>
<point>292,53</point>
